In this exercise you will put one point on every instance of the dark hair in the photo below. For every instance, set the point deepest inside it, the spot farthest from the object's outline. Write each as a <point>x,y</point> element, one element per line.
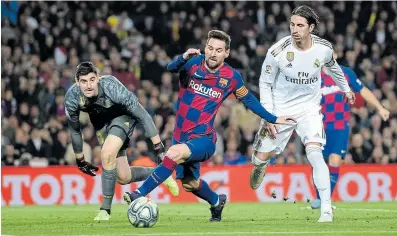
<point>85,68</point>
<point>307,13</point>
<point>218,34</point>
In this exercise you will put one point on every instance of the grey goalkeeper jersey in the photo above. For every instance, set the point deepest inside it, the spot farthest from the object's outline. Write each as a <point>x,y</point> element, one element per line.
<point>113,100</point>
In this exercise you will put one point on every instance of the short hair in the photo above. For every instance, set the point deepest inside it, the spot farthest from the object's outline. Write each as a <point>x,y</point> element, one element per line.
<point>307,13</point>
<point>85,68</point>
<point>218,34</point>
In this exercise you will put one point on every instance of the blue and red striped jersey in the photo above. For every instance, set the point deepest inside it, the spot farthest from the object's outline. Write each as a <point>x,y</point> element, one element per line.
<point>335,110</point>
<point>200,96</point>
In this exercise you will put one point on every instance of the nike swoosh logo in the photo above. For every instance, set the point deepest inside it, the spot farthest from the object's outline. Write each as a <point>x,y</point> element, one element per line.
<point>198,75</point>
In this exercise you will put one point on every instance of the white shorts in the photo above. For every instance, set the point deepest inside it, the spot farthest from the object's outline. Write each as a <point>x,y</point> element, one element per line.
<point>309,127</point>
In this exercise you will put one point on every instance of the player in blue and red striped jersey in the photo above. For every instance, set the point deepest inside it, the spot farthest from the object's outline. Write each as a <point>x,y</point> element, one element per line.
<point>205,82</point>
<point>336,121</point>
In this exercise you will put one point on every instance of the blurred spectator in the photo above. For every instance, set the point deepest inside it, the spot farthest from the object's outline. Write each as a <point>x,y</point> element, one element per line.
<point>232,156</point>
<point>9,156</point>
<point>359,152</point>
<point>38,144</point>
<point>60,146</point>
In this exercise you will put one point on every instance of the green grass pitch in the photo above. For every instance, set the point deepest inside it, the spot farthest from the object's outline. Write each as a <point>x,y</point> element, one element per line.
<point>284,218</point>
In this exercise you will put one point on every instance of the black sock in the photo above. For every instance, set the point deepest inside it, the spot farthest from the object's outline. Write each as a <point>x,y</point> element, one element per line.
<point>109,178</point>
<point>139,173</point>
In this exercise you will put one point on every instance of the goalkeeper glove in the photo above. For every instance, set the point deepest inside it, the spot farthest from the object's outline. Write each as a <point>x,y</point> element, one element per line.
<point>160,151</point>
<point>86,167</point>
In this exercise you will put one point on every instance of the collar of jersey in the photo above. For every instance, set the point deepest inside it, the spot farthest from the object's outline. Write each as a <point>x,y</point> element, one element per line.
<point>307,50</point>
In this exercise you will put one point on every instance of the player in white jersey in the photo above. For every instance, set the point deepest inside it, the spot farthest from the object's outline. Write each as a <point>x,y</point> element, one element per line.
<point>290,83</point>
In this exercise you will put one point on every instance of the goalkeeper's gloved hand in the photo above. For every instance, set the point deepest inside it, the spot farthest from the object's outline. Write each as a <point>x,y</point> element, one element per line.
<point>86,167</point>
<point>160,151</point>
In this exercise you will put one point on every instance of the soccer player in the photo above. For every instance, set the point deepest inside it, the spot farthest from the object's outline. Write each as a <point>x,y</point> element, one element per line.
<point>114,111</point>
<point>290,82</point>
<point>205,82</point>
<point>336,121</point>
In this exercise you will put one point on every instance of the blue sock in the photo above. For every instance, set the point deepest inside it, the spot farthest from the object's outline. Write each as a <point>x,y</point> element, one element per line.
<point>161,173</point>
<point>334,175</point>
<point>206,193</point>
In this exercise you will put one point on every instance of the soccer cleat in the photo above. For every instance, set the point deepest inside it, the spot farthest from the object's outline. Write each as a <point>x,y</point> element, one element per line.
<point>130,197</point>
<point>102,215</point>
<point>326,216</point>
<point>257,175</point>
<point>316,204</point>
<point>216,211</point>
<point>172,186</point>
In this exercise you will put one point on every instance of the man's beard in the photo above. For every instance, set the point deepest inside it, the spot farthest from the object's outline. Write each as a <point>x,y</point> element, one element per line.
<point>211,67</point>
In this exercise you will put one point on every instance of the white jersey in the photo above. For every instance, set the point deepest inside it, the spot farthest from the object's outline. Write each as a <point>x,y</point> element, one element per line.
<point>290,81</point>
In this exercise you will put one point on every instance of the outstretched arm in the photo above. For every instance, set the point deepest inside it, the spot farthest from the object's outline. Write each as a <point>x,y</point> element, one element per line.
<point>368,96</point>
<point>336,73</point>
<point>72,114</point>
<point>253,104</point>
<point>373,101</point>
<point>268,75</point>
<point>177,64</point>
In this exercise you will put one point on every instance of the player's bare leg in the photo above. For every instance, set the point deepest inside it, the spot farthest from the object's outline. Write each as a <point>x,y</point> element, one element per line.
<point>109,152</point>
<point>321,179</point>
<point>334,162</point>
<point>260,160</point>
<point>175,155</point>
<point>127,175</point>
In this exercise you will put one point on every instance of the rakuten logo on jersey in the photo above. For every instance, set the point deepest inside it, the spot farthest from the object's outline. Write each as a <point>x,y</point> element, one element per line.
<point>205,91</point>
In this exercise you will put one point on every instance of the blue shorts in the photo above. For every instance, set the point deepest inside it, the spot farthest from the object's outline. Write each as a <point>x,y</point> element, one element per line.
<point>202,149</point>
<point>337,142</point>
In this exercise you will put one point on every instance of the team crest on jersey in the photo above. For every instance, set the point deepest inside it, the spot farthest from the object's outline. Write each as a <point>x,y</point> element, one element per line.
<point>317,63</point>
<point>268,69</point>
<point>290,56</point>
<point>81,101</point>
<point>223,82</point>
<point>108,103</point>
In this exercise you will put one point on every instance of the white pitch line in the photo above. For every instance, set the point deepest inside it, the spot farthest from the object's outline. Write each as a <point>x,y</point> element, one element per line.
<point>252,233</point>
<point>355,209</point>
<point>366,209</point>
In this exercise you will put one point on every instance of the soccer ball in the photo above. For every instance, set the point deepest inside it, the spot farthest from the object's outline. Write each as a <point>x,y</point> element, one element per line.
<point>143,213</point>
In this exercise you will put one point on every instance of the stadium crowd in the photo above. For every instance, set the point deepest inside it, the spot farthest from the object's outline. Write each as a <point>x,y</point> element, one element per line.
<point>43,42</point>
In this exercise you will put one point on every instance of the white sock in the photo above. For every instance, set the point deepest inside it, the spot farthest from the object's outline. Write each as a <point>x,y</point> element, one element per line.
<point>256,161</point>
<point>320,173</point>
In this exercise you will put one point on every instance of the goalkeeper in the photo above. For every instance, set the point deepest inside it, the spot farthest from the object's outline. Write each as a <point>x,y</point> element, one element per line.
<point>114,111</point>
